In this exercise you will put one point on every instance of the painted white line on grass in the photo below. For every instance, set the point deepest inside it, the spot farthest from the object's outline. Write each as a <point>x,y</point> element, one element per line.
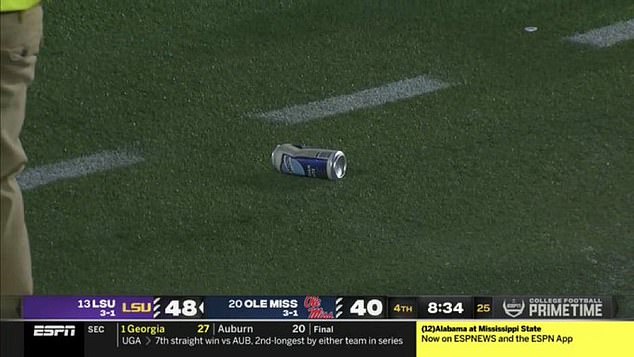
<point>82,166</point>
<point>606,36</point>
<point>368,98</point>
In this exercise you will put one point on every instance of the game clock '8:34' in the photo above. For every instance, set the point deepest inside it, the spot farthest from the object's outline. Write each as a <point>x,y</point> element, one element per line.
<point>444,307</point>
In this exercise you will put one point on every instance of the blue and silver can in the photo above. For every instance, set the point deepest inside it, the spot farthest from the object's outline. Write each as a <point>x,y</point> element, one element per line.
<point>310,162</point>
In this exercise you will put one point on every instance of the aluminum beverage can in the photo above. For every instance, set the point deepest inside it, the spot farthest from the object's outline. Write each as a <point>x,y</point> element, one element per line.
<point>299,160</point>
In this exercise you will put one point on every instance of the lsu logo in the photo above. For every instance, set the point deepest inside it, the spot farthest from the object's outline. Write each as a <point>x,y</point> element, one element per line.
<point>136,307</point>
<point>54,330</point>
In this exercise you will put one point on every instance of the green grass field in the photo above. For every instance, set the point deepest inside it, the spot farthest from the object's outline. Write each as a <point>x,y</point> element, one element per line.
<point>518,179</point>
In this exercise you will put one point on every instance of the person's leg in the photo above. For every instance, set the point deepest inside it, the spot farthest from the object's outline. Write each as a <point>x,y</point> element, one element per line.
<point>21,33</point>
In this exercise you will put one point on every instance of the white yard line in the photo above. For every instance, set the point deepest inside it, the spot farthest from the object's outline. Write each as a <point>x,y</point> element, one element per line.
<point>82,166</point>
<point>606,36</point>
<point>368,98</point>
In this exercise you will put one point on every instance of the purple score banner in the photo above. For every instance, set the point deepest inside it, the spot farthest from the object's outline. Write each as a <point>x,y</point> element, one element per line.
<point>87,307</point>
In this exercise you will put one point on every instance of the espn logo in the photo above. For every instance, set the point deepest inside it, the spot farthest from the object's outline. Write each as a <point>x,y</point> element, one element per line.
<point>54,330</point>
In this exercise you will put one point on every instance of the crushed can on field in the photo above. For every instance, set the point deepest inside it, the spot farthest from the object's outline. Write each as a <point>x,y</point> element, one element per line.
<point>305,161</point>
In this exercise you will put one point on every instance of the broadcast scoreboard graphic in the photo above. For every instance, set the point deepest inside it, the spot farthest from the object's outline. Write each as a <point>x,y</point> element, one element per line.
<point>307,325</point>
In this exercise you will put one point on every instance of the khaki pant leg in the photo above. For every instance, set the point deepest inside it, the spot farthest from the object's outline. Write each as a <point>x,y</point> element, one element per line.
<point>21,33</point>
